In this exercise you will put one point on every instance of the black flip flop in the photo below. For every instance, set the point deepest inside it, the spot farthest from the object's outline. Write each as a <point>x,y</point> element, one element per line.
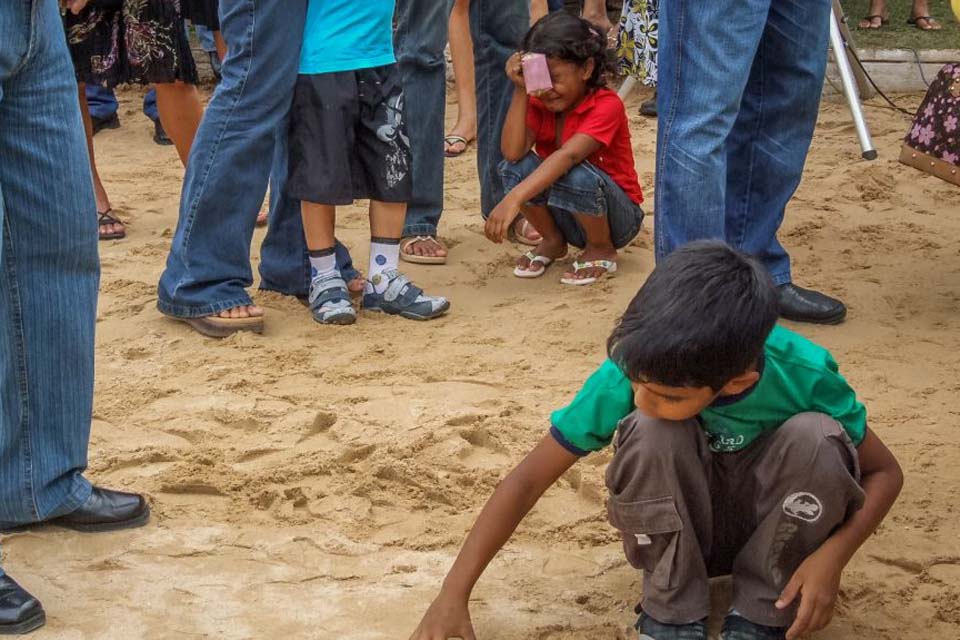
<point>930,21</point>
<point>104,219</point>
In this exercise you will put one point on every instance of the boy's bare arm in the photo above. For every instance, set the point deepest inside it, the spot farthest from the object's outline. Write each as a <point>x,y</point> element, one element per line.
<point>817,580</point>
<point>448,615</point>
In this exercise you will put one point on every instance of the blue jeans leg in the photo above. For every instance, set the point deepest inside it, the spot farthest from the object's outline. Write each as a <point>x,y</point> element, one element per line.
<point>49,271</point>
<point>420,39</point>
<point>208,269</point>
<point>150,105</point>
<point>498,27</point>
<point>705,57</point>
<point>102,102</point>
<point>768,146</point>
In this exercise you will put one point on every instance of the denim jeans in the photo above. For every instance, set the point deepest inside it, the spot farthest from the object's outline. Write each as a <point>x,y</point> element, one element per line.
<point>498,27</point>
<point>739,92</point>
<point>103,103</point>
<point>421,37</point>
<point>49,270</point>
<point>241,145</point>
<point>585,189</point>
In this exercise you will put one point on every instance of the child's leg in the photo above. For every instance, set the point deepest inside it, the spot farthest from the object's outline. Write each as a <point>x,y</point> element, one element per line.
<point>329,296</point>
<point>804,488</point>
<point>552,244</point>
<point>660,500</point>
<point>387,289</point>
<point>598,246</point>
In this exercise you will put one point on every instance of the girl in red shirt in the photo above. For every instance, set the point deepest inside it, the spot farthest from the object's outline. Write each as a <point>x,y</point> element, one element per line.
<point>568,159</point>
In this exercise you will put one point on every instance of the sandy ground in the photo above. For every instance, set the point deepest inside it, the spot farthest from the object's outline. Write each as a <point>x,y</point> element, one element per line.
<point>316,482</point>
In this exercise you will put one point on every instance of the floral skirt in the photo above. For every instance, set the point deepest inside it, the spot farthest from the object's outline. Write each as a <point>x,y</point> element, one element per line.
<point>637,40</point>
<point>142,43</point>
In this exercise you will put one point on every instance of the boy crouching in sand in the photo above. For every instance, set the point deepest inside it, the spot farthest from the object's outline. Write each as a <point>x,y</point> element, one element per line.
<point>739,449</point>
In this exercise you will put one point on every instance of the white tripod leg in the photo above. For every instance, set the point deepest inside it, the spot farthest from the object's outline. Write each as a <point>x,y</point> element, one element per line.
<point>850,89</point>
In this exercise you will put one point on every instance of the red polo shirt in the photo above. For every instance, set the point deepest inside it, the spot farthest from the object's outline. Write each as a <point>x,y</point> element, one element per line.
<point>601,116</point>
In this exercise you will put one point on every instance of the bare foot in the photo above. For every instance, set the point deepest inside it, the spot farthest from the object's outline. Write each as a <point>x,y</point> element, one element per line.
<point>591,254</point>
<point>553,248</point>
<point>243,311</point>
<point>465,130</point>
<point>262,219</point>
<point>525,232</point>
<point>877,16</point>
<point>428,247</point>
<point>355,286</point>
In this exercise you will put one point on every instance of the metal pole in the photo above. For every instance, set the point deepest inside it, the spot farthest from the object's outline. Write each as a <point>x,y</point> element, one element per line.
<point>850,89</point>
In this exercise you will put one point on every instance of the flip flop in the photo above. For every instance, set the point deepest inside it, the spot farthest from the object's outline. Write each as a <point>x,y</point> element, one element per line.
<point>103,220</point>
<point>521,236</point>
<point>217,327</point>
<point>262,219</point>
<point>609,265</point>
<point>932,24</point>
<point>534,259</point>
<point>452,140</point>
<point>415,259</point>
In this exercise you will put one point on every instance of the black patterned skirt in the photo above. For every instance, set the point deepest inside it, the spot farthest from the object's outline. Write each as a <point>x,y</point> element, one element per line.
<point>142,43</point>
<point>203,13</point>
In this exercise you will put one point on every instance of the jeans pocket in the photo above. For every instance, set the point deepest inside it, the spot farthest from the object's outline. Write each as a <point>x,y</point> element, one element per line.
<point>651,533</point>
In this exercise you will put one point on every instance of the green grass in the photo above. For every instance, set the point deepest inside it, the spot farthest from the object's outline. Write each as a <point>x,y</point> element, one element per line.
<point>897,34</point>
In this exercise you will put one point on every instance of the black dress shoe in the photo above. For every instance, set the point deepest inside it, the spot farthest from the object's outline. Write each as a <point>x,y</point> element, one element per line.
<point>20,612</point>
<point>112,121</point>
<point>106,510</point>
<point>803,305</point>
<point>160,136</point>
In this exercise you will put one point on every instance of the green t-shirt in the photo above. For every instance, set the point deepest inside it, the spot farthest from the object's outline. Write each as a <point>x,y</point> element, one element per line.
<point>797,376</point>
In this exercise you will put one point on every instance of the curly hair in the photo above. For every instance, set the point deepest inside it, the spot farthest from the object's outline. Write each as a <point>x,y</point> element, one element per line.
<point>564,36</point>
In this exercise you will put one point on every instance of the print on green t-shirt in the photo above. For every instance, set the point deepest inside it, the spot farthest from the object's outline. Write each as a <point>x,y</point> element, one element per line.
<point>798,376</point>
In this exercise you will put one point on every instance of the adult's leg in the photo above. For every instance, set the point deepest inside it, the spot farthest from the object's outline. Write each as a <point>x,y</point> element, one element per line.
<point>208,267</point>
<point>49,271</point>
<point>461,50</point>
<point>767,148</point>
<point>101,102</point>
<point>100,192</point>
<point>180,114</point>
<point>421,35</point>
<point>498,27</point>
<point>705,54</point>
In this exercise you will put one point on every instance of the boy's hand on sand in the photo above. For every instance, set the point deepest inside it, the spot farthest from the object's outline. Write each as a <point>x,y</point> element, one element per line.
<point>446,618</point>
<point>498,224</point>
<point>816,582</point>
<point>514,69</point>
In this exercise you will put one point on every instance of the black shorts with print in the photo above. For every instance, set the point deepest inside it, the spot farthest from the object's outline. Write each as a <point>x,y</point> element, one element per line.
<point>348,140</point>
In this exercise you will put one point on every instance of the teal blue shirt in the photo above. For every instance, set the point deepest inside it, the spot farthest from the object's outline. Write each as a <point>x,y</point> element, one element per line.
<point>347,35</point>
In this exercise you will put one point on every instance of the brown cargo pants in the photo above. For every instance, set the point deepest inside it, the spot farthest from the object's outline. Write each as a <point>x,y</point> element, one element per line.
<point>688,514</point>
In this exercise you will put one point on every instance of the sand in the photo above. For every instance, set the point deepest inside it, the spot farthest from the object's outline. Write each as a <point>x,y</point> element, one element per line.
<point>316,482</point>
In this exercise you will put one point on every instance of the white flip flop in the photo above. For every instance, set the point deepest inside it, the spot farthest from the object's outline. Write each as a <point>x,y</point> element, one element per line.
<point>609,265</point>
<point>534,259</point>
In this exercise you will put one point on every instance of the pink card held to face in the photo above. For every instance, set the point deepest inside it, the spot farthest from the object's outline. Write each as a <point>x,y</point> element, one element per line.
<point>536,73</point>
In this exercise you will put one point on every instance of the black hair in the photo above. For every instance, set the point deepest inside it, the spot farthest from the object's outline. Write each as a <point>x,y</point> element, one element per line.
<point>564,36</point>
<point>701,319</point>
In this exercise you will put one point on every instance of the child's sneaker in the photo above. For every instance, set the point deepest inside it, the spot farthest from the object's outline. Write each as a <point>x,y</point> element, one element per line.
<point>736,627</point>
<point>392,292</point>
<point>330,300</point>
<point>650,629</point>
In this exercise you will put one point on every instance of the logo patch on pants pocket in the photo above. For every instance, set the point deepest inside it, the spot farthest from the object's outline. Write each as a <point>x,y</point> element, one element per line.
<point>803,506</point>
